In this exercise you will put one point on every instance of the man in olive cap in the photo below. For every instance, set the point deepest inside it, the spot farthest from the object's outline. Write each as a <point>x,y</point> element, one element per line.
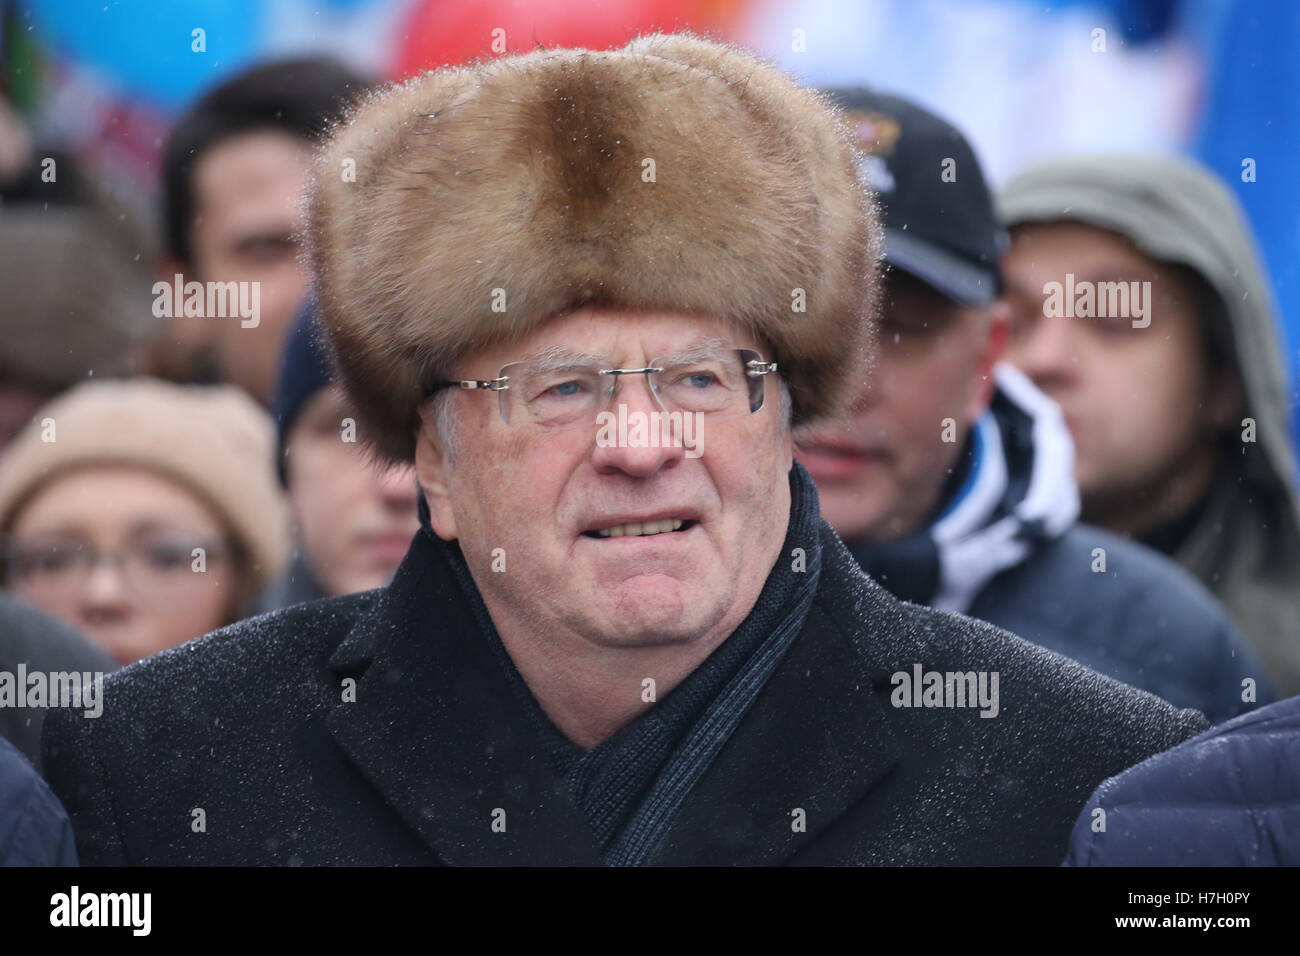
<point>1140,305</point>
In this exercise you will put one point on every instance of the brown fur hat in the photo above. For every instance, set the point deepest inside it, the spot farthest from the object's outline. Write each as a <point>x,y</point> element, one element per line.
<point>525,174</point>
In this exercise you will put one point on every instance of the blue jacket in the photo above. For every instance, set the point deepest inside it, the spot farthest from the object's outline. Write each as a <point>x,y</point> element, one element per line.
<point>1228,797</point>
<point>34,829</point>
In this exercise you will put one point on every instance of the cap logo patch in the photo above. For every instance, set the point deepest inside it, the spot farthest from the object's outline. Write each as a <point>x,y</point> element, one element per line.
<point>877,136</point>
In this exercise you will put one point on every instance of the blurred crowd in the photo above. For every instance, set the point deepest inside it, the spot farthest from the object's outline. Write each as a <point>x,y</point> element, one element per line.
<point>1106,471</point>
<point>181,434</point>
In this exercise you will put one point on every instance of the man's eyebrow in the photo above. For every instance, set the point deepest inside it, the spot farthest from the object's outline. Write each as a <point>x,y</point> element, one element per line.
<point>1020,288</point>
<point>557,358</point>
<point>711,348</point>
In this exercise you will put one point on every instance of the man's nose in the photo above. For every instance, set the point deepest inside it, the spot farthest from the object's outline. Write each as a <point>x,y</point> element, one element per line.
<point>1048,353</point>
<point>870,389</point>
<point>634,435</point>
<point>397,486</point>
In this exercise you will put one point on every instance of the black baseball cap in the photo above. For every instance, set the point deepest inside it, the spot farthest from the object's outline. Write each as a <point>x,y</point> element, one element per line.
<point>937,211</point>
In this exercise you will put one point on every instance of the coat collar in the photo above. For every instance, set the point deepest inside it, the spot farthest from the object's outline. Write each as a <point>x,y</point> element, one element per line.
<point>436,728</point>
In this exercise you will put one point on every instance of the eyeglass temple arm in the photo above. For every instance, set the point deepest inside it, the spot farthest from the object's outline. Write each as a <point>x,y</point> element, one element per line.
<point>496,385</point>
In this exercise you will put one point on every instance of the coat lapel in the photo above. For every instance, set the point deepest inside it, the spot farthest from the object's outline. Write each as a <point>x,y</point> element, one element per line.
<point>816,740</point>
<point>436,728</point>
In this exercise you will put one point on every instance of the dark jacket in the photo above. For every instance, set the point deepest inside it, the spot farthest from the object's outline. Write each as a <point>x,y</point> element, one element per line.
<point>1143,621</point>
<point>250,725</point>
<point>40,643</point>
<point>34,830</point>
<point>1005,547</point>
<point>1229,797</point>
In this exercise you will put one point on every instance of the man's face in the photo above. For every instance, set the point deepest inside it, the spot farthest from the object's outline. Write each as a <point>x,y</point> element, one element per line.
<point>541,495</point>
<point>879,474</point>
<point>247,191</point>
<point>355,519</point>
<point>1139,402</point>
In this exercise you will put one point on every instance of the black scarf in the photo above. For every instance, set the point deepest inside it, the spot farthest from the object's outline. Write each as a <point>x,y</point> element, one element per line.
<point>630,785</point>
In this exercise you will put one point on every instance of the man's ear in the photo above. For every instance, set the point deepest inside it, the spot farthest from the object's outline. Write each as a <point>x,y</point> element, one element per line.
<point>992,348</point>
<point>433,474</point>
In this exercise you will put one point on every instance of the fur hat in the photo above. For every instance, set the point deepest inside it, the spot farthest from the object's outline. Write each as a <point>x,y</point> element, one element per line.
<point>529,174</point>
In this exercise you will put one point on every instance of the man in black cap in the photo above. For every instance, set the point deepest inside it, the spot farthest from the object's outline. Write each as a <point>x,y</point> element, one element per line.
<point>952,482</point>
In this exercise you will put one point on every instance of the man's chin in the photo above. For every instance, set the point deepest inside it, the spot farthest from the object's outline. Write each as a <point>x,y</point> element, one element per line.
<point>854,520</point>
<point>628,635</point>
<point>653,611</point>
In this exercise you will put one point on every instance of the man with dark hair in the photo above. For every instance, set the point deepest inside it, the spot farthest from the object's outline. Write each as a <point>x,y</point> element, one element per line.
<point>234,171</point>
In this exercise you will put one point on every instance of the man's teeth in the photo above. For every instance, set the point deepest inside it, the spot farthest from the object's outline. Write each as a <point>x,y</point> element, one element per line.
<point>641,527</point>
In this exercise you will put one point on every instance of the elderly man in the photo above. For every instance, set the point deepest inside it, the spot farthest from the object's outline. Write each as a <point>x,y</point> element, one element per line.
<point>606,644</point>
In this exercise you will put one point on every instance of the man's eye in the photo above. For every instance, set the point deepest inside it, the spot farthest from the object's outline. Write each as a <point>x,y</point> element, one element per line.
<point>565,389</point>
<point>268,249</point>
<point>697,377</point>
<point>700,379</point>
<point>1021,320</point>
<point>1112,324</point>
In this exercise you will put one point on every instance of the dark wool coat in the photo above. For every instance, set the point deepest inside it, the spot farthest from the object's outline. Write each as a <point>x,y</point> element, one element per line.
<point>239,748</point>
